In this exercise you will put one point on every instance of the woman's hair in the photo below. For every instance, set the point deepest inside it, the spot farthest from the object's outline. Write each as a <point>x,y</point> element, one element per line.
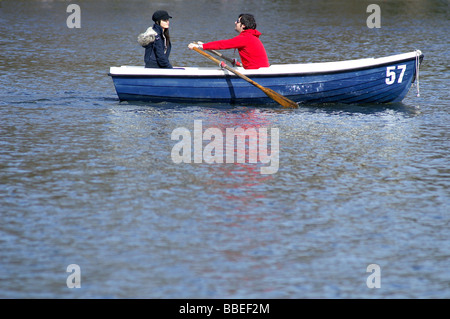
<point>248,20</point>
<point>166,33</point>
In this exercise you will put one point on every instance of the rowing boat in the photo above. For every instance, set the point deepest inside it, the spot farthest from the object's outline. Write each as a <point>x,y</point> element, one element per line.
<point>371,80</point>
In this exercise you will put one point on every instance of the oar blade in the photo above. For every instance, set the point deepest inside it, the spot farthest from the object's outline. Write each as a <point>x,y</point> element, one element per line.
<point>282,100</point>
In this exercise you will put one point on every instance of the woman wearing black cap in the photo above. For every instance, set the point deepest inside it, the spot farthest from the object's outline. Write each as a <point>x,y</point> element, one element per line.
<point>156,41</point>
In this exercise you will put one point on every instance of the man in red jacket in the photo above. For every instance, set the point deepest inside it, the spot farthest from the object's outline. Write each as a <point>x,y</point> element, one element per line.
<point>250,48</point>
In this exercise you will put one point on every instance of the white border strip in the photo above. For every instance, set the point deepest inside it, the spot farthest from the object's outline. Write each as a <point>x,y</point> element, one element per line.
<point>272,70</point>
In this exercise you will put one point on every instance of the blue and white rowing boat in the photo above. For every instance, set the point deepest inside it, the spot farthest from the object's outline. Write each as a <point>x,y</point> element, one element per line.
<point>372,80</point>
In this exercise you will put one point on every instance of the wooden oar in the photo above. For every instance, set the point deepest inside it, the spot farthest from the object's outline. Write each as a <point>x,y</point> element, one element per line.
<point>280,99</point>
<point>219,54</point>
<point>235,62</point>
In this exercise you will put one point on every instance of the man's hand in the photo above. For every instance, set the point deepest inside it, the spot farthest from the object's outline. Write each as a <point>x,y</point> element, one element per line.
<point>195,45</point>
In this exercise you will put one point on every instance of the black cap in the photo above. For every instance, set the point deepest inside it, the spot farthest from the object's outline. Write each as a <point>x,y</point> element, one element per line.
<point>160,15</point>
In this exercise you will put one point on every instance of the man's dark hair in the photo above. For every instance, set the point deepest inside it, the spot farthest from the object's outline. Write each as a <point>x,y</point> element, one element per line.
<point>248,20</point>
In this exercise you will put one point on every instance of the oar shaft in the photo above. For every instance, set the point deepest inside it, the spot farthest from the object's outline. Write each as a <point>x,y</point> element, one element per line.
<point>225,57</point>
<point>285,102</point>
<point>219,54</point>
<point>226,67</point>
<point>206,55</point>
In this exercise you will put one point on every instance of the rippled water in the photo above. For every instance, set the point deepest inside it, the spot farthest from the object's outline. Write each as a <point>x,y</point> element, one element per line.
<point>87,180</point>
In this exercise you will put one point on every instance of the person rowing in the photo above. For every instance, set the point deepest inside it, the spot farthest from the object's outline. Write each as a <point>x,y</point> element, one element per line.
<point>251,50</point>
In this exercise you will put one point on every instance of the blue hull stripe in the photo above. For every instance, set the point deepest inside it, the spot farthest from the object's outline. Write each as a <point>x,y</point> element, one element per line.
<point>365,85</point>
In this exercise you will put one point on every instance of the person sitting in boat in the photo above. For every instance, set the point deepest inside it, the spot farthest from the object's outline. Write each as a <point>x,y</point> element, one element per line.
<point>251,50</point>
<point>156,41</point>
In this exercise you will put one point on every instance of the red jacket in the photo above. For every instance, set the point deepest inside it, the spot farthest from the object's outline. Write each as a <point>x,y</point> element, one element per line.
<point>251,50</point>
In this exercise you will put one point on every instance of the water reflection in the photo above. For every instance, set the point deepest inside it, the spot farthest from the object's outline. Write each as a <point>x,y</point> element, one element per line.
<point>240,182</point>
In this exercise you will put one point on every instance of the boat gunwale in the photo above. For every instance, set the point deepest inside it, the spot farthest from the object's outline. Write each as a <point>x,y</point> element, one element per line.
<point>227,74</point>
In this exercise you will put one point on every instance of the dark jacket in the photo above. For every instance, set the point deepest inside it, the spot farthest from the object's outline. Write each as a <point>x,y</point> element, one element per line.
<point>157,51</point>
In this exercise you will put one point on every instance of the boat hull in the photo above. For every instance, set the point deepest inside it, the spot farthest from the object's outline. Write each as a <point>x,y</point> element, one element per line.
<point>380,80</point>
